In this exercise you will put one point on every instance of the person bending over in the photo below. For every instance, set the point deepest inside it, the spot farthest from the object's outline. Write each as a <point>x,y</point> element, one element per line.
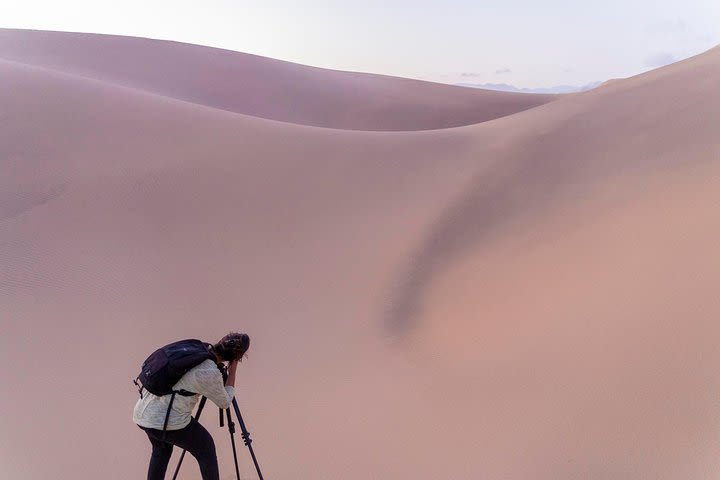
<point>183,430</point>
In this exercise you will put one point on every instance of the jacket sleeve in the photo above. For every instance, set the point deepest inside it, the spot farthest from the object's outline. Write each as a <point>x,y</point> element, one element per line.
<point>210,384</point>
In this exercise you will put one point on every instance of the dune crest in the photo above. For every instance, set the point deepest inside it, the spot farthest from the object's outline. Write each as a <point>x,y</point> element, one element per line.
<point>263,87</point>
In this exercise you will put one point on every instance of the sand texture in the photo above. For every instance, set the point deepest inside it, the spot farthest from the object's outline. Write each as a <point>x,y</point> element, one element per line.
<point>529,296</point>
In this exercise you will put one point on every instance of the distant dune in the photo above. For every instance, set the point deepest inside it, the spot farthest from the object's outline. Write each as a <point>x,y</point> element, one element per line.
<point>558,89</point>
<point>528,298</point>
<point>260,86</point>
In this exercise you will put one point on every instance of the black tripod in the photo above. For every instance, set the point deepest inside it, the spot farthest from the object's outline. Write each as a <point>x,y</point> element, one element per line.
<point>231,427</point>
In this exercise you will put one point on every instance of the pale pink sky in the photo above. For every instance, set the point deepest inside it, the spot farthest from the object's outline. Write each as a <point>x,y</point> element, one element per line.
<point>522,42</point>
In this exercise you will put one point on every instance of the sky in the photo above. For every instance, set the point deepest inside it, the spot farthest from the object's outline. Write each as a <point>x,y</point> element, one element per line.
<point>525,43</point>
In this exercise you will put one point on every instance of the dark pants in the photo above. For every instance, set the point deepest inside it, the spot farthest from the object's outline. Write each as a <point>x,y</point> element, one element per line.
<point>193,438</point>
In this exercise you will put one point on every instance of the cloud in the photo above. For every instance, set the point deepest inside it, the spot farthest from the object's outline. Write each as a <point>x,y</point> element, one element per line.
<point>670,27</point>
<point>469,74</point>
<point>502,70</point>
<point>706,37</point>
<point>680,32</point>
<point>660,59</point>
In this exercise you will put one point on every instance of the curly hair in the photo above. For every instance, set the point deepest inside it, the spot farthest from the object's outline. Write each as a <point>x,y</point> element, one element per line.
<point>232,346</point>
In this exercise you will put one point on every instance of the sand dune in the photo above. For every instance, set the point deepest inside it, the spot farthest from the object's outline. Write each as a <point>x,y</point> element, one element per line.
<point>532,297</point>
<point>260,86</point>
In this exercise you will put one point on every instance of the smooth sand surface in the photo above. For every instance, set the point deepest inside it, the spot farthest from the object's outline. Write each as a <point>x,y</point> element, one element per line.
<point>263,87</point>
<point>529,298</point>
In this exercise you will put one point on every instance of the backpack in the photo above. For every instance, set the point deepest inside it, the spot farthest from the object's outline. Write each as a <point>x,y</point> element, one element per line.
<point>166,365</point>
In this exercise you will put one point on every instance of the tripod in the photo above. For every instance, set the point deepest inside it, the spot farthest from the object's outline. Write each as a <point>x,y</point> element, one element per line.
<point>231,428</point>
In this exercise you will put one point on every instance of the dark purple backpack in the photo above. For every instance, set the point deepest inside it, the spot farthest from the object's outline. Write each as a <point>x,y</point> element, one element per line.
<point>166,365</point>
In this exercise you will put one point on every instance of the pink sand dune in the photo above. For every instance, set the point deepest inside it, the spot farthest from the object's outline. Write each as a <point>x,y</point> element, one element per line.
<point>531,298</point>
<point>260,86</point>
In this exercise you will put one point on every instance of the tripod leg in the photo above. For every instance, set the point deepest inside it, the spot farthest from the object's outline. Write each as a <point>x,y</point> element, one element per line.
<point>182,455</point>
<point>246,437</point>
<point>231,428</point>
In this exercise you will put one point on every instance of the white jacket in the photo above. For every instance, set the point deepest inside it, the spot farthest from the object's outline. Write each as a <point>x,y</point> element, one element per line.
<point>203,379</point>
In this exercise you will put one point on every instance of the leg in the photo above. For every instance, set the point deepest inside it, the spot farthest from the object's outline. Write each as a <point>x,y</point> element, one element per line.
<point>198,441</point>
<point>159,459</point>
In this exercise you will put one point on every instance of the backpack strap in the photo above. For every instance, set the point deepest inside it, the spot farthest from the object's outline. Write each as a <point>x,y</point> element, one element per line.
<point>182,393</point>
<point>139,386</point>
<point>167,415</point>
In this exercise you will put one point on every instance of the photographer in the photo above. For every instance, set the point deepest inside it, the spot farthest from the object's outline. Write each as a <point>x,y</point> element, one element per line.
<point>168,421</point>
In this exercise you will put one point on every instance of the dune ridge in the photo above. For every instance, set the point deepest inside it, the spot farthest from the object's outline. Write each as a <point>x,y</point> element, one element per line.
<point>536,170</point>
<point>260,86</point>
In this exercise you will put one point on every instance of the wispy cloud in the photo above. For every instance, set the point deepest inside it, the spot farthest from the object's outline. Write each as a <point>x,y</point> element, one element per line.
<point>501,71</point>
<point>669,27</point>
<point>679,32</point>
<point>470,74</point>
<point>660,59</point>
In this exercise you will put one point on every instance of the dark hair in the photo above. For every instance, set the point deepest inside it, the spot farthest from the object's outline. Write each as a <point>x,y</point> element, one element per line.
<point>232,346</point>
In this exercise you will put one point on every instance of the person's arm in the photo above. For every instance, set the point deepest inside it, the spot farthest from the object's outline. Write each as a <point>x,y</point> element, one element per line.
<point>232,368</point>
<point>210,384</point>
